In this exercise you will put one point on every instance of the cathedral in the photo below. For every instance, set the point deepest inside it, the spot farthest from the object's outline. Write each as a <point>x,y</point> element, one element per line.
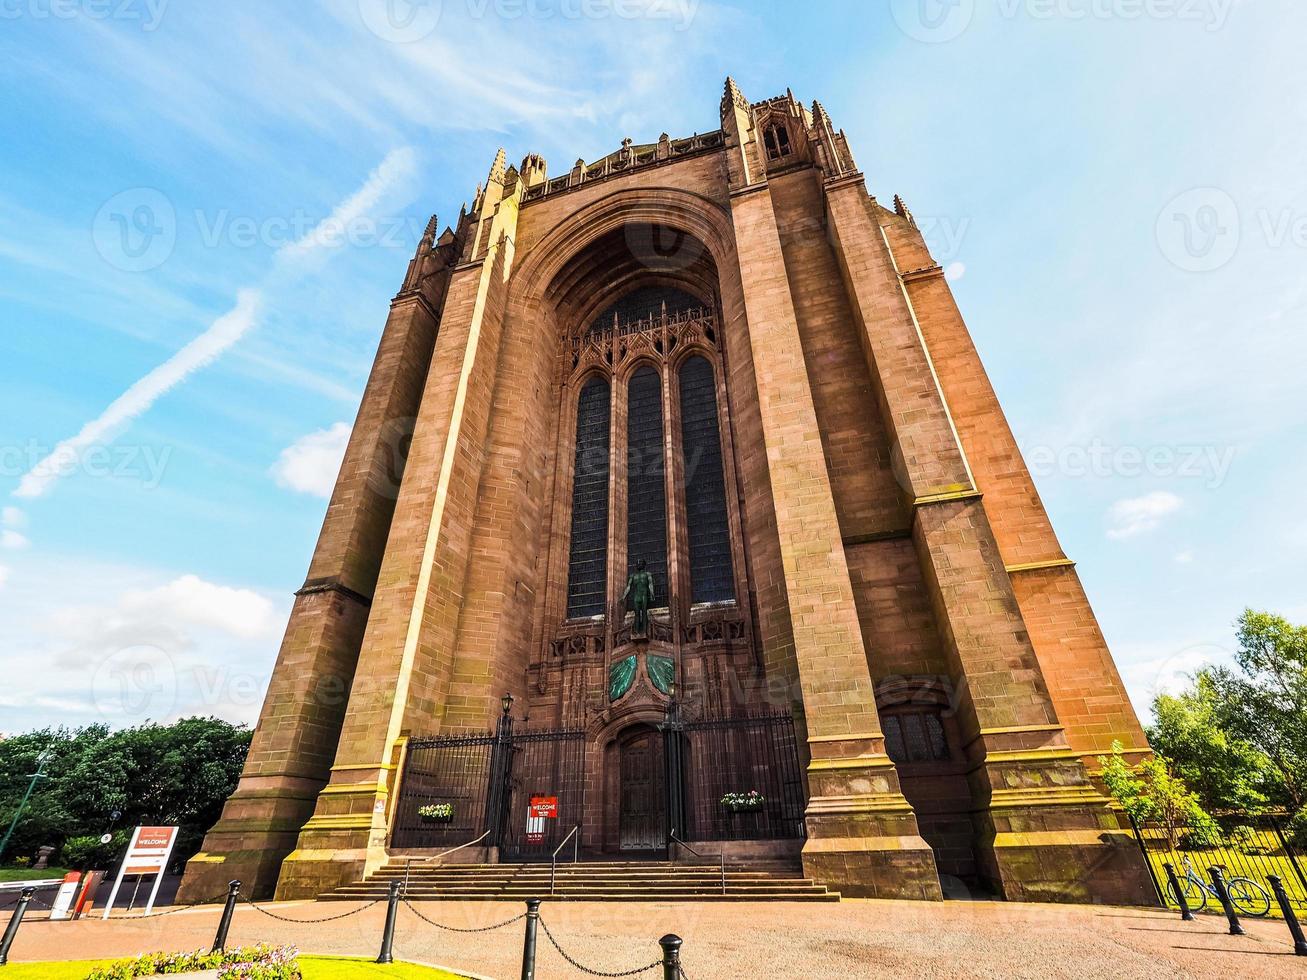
<point>679,509</point>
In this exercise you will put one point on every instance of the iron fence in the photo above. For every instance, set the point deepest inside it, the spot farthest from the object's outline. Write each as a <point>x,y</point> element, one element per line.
<point>1248,848</point>
<point>487,783</point>
<point>735,756</point>
<point>548,765</point>
<point>451,769</point>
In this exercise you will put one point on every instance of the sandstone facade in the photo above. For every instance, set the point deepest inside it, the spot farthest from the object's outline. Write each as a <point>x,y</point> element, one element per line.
<point>843,532</point>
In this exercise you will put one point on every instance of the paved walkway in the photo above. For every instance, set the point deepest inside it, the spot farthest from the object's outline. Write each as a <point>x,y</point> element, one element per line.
<point>791,940</point>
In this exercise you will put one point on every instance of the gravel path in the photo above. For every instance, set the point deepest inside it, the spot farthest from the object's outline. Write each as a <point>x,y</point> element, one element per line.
<point>854,938</point>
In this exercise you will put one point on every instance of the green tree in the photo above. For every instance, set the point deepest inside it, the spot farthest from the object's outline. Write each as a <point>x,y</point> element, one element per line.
<point>1264,702</point>
<point>1226,772</point>
<point>1151,792</point>
<point>177,774</point>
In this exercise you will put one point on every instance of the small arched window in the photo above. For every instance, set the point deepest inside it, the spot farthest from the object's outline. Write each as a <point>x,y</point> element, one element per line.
<point>711,576</point>
<point>777,140</point>
<point>587,575</point>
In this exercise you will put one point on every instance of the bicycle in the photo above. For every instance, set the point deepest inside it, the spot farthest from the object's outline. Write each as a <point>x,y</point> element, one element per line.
<point>1247,896</point>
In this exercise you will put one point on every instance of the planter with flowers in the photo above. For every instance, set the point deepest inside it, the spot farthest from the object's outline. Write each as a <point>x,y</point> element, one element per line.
<point>436,812</point>
<point>750,802</point>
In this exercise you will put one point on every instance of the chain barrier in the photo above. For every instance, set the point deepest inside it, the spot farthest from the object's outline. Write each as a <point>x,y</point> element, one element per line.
<point>595,973</point>
<point>329,918</point>
<point>433,922</point>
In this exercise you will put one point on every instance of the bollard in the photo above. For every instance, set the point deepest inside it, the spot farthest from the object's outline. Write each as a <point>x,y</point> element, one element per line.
<point>15,921</point>
<point>529,939</point>
<point>671,956</point>
<point>224,924</point>
<point>1185,914</point>
<point>1286,908</point>
<point>1218,883</point>
<point>388,933</point>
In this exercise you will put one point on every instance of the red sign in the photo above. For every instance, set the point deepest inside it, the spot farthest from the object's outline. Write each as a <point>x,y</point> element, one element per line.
<point>544,806</point>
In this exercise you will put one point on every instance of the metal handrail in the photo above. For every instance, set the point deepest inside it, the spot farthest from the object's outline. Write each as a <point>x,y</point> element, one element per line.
<point>436,857</point>
<point>576,853</point>
<point>676,840</point>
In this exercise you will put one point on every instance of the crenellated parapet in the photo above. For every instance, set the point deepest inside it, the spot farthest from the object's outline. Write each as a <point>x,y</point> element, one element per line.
<point>627,159</point>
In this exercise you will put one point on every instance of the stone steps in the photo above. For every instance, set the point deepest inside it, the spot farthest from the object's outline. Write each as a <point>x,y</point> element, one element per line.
<point>600,881</point>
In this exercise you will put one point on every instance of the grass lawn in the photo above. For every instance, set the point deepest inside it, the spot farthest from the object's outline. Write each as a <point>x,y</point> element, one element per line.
<point>1235,862</point>
<point>347,968</point>
<point>63,970</point>
<point>27,874</point>
<point>313,968</point>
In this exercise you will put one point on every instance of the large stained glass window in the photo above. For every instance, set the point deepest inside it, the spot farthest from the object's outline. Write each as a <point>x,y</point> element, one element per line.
<point>646,496</point>
<point>711,578</point>
<point>587,576</point>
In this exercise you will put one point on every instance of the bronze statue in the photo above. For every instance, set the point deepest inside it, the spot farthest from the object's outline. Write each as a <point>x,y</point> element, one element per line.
<point>640,590</point>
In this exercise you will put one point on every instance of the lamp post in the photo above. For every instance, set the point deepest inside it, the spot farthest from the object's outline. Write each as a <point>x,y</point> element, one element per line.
<point>674,765</point>
<point>39,774</point>
<point>497,797</point>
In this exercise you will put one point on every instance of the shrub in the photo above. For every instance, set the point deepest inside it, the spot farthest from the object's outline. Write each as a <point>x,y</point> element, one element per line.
<point>1246,839</point>
<point>1202,833</point>
<point>1297,831</point>
<point>22,862</point>
<point>87,853</point>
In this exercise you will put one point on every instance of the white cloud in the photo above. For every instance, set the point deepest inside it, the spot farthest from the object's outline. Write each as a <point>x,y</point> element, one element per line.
<point>4,576</point>
<point>1135,515</point>
<point>220,335</point>
<point>1148,670</point>
<point>13,540</point>
<point>153,648</point>
<point>189,601</point>
<point>955,271</point>
<point>310,464</point>
<point>398,166</point>
<point>1185,557</point>
<point>13,517</point>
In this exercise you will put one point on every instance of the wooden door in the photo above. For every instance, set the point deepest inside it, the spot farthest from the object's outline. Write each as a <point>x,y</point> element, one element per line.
<point>642,815</point>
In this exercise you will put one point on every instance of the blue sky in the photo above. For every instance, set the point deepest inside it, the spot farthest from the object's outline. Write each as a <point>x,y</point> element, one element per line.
<point>1116,186</point>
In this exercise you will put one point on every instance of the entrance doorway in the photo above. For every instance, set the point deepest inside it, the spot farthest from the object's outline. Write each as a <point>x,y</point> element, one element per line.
<point>642,814</point>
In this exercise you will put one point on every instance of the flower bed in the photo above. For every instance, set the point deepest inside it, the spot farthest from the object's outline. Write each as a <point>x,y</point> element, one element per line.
<point>262,962</point>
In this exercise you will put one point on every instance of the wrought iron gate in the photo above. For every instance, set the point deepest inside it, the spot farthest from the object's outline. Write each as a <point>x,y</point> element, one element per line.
<point>735,755</point>
<point>549,765</point>
<point>486,782</point>
<point>452,769</point>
